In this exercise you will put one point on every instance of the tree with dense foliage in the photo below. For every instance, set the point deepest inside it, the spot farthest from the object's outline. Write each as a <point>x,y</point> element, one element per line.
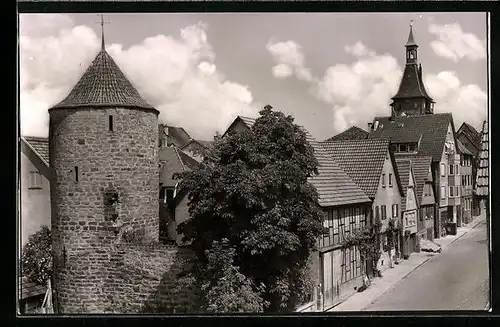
<point>37,257</point>
<point>252,189</point>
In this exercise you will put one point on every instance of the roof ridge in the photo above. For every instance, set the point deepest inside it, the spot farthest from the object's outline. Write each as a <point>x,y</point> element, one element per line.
<point>179,157</point>
<point>35,151</point>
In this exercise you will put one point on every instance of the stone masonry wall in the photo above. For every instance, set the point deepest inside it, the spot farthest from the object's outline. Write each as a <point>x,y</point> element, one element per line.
<point>153,279</point>
<point>85,224</point>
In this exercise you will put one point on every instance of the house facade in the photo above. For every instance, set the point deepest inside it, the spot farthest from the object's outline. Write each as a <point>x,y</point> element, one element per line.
<point>371,165</point>
<point>173,201</point>
<point>422,171</point>
<point>470,138</point>
<point>409,217</point>
<point>466,162</point>
<point>339,270</point>
<point>35,209</point>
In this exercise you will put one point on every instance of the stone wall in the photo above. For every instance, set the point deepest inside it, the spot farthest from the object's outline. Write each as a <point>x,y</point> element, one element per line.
<point>92,164</point>
<point>154,279</point>
<point>131,278</point>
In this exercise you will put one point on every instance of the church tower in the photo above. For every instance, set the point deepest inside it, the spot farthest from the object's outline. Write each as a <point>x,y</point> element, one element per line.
<point>412,98</point>
<point>103,151</point>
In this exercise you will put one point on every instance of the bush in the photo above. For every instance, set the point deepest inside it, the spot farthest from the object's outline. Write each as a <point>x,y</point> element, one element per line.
<point>37,257</point>
<point>225,288</point>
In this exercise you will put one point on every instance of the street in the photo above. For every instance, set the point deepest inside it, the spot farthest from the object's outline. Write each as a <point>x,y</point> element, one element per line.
<point>457,279</point>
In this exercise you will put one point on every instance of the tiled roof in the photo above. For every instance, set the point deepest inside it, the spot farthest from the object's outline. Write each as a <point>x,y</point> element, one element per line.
<point>432,128</point>
<point>471,133</point>
<point>462,149</point>
<point>334,186</point>
<point>103,85</point>
<point>420,166</point>
<point>40,145</point>
<point>412,85</point>
<point>482,182</point>
<point>173,160</point>
<point>404,167</point>
<point>352,133</point>
<point>247,120</point>
<point>362,160</point>
<point>30,289</point>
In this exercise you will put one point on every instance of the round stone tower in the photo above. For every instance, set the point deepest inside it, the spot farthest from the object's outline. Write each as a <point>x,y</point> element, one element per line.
<point>103,150</point>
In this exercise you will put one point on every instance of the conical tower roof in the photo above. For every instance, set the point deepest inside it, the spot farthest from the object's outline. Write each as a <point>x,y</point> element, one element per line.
<point>103,85</point>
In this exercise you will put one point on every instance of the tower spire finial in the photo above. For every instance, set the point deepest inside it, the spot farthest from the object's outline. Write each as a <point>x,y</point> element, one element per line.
<point>411,39</point>
<point>102,22</point>
<point>102,32</point>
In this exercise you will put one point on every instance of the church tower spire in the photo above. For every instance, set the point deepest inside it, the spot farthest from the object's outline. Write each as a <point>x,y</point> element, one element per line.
<point>412,98</point>
<point>411,47</point>
<point>102,33</point>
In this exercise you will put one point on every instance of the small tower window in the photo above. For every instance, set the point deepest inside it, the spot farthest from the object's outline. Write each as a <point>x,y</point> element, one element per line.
<point>76,173</point>
<point>110,123</point>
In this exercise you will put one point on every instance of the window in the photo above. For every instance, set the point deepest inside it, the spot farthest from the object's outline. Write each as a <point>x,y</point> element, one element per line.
<point>451,191</point>
<point>457,171</point>
<point>395,213</point>
<point>390,180</point>
<point>384,212</point>
<point>443,169</point>
<point>394,147</point>
<point>76,173</point>
<point>451,169</point>
<point>443,192</point>
<point>170,194</point>
<point>383,180</point>
<point>377,213</point>
<point>403,148</point>
<point>35,180</point>
<point>110,123</point>
<point>457,191</point>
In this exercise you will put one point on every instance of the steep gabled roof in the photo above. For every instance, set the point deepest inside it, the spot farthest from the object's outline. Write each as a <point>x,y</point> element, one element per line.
<point>334,186</point>
<point>432,128</point>
<point>471,133</point>
<point>404,167</point>
<point>352,133</point>
<point>245,120</point>
<point>462,149</point>
<point>412,85</point>
<point>40,145</point>
<point>483,173</point>
<point>362,160</point>
<point>420,166</point>
<point>103,85</point>
<point>173,160</point>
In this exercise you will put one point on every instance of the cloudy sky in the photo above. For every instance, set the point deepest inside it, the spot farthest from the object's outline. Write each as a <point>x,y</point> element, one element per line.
<point>329,70</point>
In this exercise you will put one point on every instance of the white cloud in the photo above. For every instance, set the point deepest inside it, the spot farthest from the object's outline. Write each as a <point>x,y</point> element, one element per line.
<point>174,74</point>
<point>455,44</point>
<point>282,71</point>
<point>359,91</point>
<point>289,60</point>
<point>466,102</point>
<point>358,49</point>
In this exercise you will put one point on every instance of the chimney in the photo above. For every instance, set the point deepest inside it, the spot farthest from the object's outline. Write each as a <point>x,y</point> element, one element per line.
<point>370,126</point>
<point>375,125</point>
